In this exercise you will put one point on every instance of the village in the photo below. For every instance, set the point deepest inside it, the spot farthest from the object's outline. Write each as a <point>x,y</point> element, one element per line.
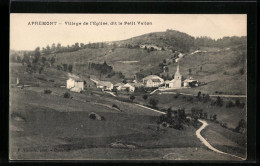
<point>157,95</point>
<point>76,84</point>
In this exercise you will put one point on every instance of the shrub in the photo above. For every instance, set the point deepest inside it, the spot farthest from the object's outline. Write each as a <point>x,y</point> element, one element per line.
<point>47,91</point>
<point>224,125</point>
<point>66,95</point>
<point>230,104</point>
<point>206,98</point>
<point>92,116</point>
<point>219,101</point>
<point>132,97</point>
<point>145,97</point>
<point>103,118</point>
<point>196,113</point>
<point>237,102</point>
<point>241,126</point>
<point>214,117</point>
<point>153,102</point>
<point>51,80</point>
<point>115,106</point>
<point>190,99</point>
<point>205,115</point>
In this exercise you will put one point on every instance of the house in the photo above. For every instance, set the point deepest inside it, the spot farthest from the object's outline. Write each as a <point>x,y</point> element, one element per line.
<point>105,85</point>
<point>190,82</point>
<point>131,86</point>
<point>152,81</point>
<point>75,84</point>
<point>119,86</point>
<point>176,82</point>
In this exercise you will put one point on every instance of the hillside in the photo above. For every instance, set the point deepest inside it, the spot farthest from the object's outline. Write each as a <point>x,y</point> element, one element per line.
<point>219,63</point>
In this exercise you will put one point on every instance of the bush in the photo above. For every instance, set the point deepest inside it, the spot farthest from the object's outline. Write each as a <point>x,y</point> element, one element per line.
<point>51,80</point>
<point>47,91</point>
<point>145,97</point>
<point>214,117</point>
<point>224,125</point>
<point>66,95</point>
<point>230,104</point>
<point>132,97</point>
<point>196,113</point>
<point>153,102</point>
<point>190,99</point>
<point>115,106</point>
<point>92,116</point>
<point>241,126</point>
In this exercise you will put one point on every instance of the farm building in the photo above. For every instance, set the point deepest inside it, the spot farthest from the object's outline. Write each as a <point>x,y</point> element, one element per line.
<point>152,81</point>
<point>119,86</point>
<point>190,82</point>
<point>75,85</point>
<point>105,85</point>
<point>131,86</point>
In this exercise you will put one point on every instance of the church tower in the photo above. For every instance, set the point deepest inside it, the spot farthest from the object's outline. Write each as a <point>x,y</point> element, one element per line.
<point>177,77</point>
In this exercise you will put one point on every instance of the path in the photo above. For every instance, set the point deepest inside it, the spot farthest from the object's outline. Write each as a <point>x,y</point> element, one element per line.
<point>206,143</point>
<point>150,109</point>
<point>203,140</point>
<point>111,93</point>
<point>187,94</point>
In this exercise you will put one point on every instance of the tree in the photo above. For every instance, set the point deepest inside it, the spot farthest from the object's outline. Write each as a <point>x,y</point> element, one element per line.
<point>214,117</point>
<point>65,67</point>
<point>199,95</point>
<point>132,97</point>
<point>153,102</point>
<point>70,68</point>
<point>52,60</point>
<point>53,47</point>
<point>66,95</point>
<point>48,49</point>
<point>164,61</point>
<point>200,68</point>
<point>37,55</point>
<point>145,97</point>
<point>43,60</point>
<point>219,101</point>
<point>190,71</point>
<point>81,45</point>
<point>58,47</point>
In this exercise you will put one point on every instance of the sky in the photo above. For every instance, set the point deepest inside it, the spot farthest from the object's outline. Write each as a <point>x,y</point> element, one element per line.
<point>25,35</point>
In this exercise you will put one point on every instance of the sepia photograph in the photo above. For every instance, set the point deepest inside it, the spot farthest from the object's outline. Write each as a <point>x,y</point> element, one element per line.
<point>128,87</point>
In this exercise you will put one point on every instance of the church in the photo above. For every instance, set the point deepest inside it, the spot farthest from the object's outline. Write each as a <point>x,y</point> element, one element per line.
<point>176,82</point>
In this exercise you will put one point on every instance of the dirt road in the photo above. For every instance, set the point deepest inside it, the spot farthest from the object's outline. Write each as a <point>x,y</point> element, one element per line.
<point>206,143</point>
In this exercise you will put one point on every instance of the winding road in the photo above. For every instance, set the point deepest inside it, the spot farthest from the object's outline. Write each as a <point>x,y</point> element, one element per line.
<point>206,143</point>
<point>202,139</point>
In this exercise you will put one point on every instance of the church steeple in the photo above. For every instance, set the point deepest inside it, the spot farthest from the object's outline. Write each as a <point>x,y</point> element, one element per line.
<point>178,70</point>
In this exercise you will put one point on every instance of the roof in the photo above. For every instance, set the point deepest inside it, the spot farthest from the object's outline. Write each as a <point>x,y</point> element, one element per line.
<point>77,79</point>
<point>152,77</point>
<point>134,84</point>
<point>104,83</point>
<point>119,84</point>
<point>189,80</point>
<point>156,80</point>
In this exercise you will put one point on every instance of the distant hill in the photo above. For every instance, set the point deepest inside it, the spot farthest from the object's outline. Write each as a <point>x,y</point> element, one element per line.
<point>223,61</point>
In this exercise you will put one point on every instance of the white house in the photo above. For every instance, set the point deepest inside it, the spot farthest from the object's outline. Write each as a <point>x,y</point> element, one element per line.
<point>176,82</point>
<point>119,86</point>
<point>190,82</point>
<point>131,86</point>
<point>152,81</point>
<point>105,85</point>
<point>75,85</point>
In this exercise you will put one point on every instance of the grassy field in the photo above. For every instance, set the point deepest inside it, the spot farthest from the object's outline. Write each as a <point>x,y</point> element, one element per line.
<point>49,126</point>
<point>231,116</point>
<point>221,68</point>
